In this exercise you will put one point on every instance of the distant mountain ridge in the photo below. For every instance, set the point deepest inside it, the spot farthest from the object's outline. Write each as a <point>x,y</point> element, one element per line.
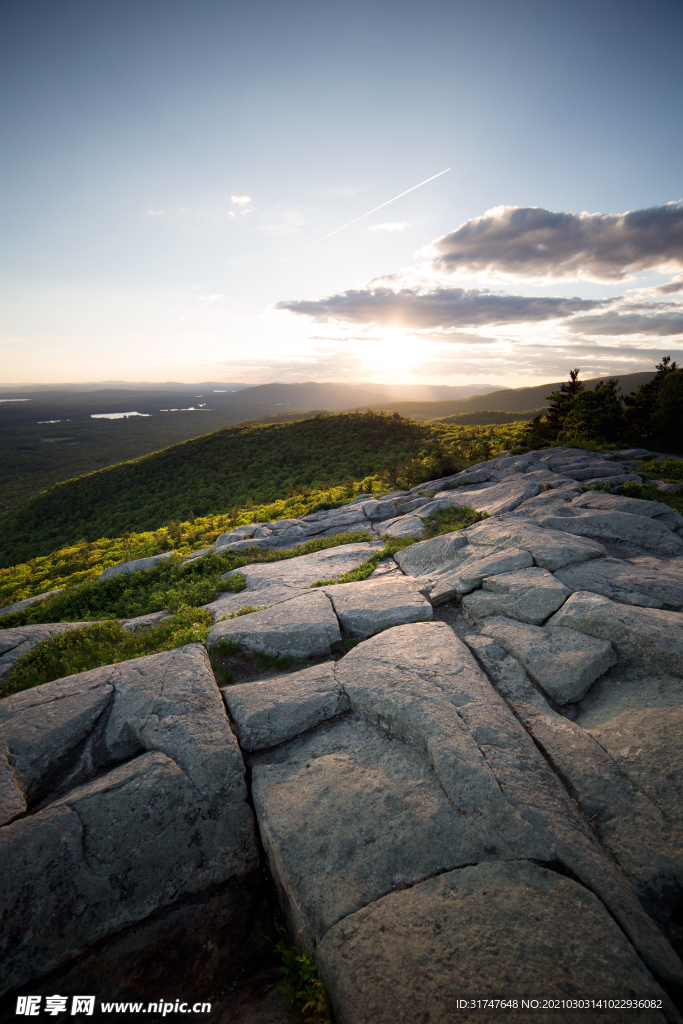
<point>503,400</point>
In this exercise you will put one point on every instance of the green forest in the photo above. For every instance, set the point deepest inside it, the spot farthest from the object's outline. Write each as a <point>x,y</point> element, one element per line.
<point>235,466</point>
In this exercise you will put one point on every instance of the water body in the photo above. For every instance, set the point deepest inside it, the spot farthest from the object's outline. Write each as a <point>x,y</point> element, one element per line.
<point>116,415</point>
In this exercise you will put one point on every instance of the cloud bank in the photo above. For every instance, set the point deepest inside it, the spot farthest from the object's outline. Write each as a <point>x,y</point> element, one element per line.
<point>437,308</point>
<point>530,242</point>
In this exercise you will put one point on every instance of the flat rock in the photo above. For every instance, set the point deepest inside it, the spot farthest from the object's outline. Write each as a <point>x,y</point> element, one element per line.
<point>643,636</point>
<point>20,605</point>
<point>19,640</point>
<point>270,712</point>
<point>455,584</point>
<point>620,503</point>
<point>613,480</point>
<point>136,565</point>
<point>627,819</point>
<point>436,553</point>
<point>501,497</point>
<point>229,603</point>
<point>551,549</point>
<point>564,662</point>
<point>411,956</point>
<point>302,570</point>
<point>624,582</point>
<point>529,595</point>
<point>635,532</point>
<point>170,821</point>
<point>304,627</point>
<point>429,772</point>
<point>370,606</point>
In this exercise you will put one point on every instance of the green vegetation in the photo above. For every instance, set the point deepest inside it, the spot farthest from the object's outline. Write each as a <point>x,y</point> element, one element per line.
<point>603,417</point>
<point>185,493</point>
<point>447,520</point>
<point>169,585</point>
<point>365,569</point>
<point>489,416</point>
<point>303,992</point>
<point>103,643</point>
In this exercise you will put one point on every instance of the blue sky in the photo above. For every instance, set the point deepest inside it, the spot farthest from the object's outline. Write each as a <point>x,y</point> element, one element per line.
<point>169,171</point>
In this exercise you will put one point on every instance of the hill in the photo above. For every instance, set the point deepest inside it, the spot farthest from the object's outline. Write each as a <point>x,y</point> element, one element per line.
<point>507,400</point>
<point>50,434</point>
<point>228,469</point>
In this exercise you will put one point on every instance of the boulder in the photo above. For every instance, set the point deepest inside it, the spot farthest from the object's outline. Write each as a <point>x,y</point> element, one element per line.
<point>455,584</point>
<point>168,822</point>
<point>270,712</point>
<point>136,565</point>
<point>405,526</point>
<point>305,627</point>
<point>423,953</point>
<point>529,595</point>
<point>378,510</point>
<point>624,582</point>
<point>564,662</point>
<point>368,607</point>
<point>651,637</point>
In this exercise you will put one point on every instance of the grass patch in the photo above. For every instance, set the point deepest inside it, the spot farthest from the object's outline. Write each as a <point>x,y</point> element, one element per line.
<point>169,585</point>
<point>447,520</point>
<point>302,990</point>
<point>246,609</point>
<point>365,569</point>
<point>667,469</point>
<point>103,643</point>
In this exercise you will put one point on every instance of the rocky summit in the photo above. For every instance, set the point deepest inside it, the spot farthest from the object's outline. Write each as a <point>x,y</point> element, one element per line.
<point>464,784</point>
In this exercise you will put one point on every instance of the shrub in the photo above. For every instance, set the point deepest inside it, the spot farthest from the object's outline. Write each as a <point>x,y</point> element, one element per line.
<point>446,520</point>
<point>103,643</point>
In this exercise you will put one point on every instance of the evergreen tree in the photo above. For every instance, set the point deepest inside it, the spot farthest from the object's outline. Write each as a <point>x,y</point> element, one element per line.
<point>641,404</point>
<point>561,401</point>
<point>595,416</point>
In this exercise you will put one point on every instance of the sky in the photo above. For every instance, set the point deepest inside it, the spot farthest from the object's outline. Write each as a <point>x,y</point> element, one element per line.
<point>186,190</point>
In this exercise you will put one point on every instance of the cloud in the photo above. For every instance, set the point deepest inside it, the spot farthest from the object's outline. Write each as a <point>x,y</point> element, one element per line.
<point>396,225</point>
<point>672,286</point>
<point>616,324</point>
<point>240,200</point>
<point>530,242</point>
<point>438,308</point>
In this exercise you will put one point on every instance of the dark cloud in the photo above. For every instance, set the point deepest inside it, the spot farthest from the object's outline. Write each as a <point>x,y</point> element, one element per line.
<point>674,285</point>
<point>658,325</point>
<point>442,307</point>
<point>534,243</point>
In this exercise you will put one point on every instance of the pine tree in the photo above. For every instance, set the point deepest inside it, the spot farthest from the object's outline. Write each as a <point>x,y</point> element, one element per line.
<point>641,404</point>
<point>561,401</point>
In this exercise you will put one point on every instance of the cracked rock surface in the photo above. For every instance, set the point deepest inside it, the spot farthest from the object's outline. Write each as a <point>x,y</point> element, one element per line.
<point>468,784</point>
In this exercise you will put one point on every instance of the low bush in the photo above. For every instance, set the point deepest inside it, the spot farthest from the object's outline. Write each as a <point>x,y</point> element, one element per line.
<point>169,585</point>
<point>446,520</point>
<point>103,643</point>
<point>303,992</point>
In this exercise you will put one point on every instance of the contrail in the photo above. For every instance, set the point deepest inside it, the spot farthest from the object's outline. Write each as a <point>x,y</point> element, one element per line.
<point>374,210</point>
<point>209,300</point>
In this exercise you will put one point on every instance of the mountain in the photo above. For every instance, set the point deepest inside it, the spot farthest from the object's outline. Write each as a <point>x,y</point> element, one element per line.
<point>504,400</point>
